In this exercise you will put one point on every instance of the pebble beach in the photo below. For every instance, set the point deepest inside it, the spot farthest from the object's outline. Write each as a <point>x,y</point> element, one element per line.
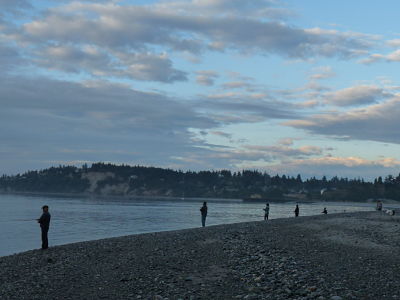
<point>334,256</point>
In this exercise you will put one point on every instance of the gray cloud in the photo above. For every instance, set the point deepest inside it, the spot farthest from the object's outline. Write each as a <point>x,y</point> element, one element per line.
<point>139,27</point>
<point>151,67</point>
<point>222,134</point>
<point>40,118</point>
<point>270,9</point>
<point>14,6</point>
<point>280,151</point>
<point>377,122</point>
<point>110,40</point>
<point>74,59</point>
<point>238,108</point>
<point>253,156</point>
<point>97,62</point>
<point>9,57</point>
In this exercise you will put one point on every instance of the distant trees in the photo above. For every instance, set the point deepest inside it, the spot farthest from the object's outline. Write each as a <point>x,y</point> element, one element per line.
<point>110,179</point>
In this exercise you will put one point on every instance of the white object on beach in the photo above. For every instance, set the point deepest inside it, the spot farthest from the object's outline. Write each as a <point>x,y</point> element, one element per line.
<point>390,212</point>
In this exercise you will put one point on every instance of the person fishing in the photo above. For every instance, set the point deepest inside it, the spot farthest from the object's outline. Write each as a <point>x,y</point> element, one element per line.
<point>203,210</point>
<point>379,205</point>
<point>325,211</point>
<point>296,211</point>
<point>44,222</point>
<point>266,212</point>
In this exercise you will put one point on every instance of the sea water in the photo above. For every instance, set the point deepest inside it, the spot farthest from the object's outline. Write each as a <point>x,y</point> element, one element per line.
<point>82,219</point>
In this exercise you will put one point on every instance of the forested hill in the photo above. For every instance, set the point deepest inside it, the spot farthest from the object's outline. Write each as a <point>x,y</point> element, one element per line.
<point>124,180</point>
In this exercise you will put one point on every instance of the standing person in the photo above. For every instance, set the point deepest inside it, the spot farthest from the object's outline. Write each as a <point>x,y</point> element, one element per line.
<point>379,205</point>
<point>44,222</point>
<point>296,211</point>
<point>203,210</point>
<point>266,210</point>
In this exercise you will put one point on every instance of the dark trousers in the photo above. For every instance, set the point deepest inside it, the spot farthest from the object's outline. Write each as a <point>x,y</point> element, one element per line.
<point>45,240</point>
<point>203,220</point>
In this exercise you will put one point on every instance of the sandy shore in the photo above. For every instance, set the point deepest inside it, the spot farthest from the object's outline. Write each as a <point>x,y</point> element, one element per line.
<point>342,256</point>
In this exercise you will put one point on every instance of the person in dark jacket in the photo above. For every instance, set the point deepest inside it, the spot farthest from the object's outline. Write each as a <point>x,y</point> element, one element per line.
<point>296,211</point>
<point>325,211</point>
<point>203,210</point>
<point>44,222</point>
<point>266,212</point>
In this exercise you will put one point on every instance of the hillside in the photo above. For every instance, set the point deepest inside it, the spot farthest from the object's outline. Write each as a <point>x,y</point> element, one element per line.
<point>123,180</point>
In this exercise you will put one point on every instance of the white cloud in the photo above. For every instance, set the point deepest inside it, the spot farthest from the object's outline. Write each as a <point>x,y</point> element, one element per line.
<point>238,85</point>
<point>356,95</point>
<point>322,73</point>
<point>390,57</point>
<point>337,166</point>
<point>206,78</point>
<point>394,56</point>
<point>394,43</point>
<point>286,142</point>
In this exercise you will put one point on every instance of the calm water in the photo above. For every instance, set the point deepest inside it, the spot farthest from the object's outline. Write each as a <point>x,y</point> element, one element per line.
<point>81,219</point>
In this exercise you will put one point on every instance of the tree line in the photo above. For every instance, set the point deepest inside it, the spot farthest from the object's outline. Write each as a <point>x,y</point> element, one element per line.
<point>125,180</point>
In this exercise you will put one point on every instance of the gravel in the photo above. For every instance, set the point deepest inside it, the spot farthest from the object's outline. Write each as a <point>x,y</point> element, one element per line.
<point>336,256</point>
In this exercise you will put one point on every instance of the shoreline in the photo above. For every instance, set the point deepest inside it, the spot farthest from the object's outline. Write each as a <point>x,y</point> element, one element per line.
<point>125,197</point>
<point>159,232</point>
<point>337,256</point>
<point>162,231</point>
<point>211,199</point>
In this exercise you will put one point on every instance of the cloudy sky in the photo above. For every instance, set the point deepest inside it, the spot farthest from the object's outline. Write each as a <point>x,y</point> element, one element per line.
<point>297,86</point>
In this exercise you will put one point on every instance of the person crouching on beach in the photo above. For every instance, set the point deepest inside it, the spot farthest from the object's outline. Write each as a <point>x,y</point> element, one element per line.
<point>203,210</point>
<point>296,211</point>
<point>266,210</point>
<point>325,211</point>
<point>44,222</point>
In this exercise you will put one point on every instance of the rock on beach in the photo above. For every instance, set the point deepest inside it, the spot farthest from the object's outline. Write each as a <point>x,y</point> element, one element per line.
<point>337,256</point>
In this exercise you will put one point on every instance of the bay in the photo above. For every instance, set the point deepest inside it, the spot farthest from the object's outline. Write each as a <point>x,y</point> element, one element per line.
<point>82,219</point>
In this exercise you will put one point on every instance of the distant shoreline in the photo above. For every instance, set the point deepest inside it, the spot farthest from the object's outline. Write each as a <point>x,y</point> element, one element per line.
<point>317,256</point>
<point>127,197</point>
<point>130,197</point>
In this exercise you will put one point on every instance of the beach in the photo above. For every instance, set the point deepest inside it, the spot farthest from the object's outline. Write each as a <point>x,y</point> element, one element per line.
<point>334,256</point>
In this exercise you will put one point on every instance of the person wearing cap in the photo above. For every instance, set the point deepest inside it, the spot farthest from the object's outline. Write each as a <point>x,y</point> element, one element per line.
<point>44,222</point>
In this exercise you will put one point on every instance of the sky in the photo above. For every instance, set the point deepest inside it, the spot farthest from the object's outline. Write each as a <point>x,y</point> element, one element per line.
<point>288,87</point>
